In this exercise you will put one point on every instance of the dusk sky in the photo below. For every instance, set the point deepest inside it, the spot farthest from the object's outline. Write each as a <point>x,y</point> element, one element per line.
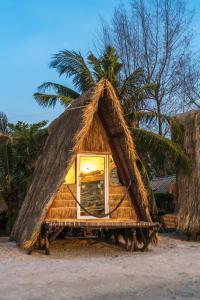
<point>31,31</point>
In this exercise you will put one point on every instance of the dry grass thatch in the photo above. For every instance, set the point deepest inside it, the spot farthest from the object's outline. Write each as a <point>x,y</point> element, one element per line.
<point>95,140</point>
<point>65,207</point>
<point>67,136</point>
<point>189,183</point>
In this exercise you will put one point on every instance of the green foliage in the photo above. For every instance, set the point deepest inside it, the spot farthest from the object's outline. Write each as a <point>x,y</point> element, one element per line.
<point>63,95</point>
<point>147,183</point>
<point>159,155</point>
<point>177,131</point>
<point>110,66</point>
<point>85,73</point>
<point>160,152</point>
<point>3,123</point>
<point>18,158</point>
<point>72,64</point>
<point>28,141</point>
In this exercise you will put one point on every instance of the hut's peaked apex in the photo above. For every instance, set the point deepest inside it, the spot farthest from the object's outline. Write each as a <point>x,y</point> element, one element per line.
<point>66,136</point>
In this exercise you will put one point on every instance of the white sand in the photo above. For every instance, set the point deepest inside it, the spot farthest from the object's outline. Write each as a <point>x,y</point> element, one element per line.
<point>79,270</point>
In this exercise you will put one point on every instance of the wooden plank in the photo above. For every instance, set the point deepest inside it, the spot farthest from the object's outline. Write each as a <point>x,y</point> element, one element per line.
<point>106,224</point>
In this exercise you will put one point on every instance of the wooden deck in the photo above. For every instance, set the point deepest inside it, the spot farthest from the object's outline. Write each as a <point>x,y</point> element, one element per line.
<point>100,223</point>
<point>137,234</point>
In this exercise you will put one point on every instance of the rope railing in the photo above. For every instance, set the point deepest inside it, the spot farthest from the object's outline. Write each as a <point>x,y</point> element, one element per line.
<point>101,215</point>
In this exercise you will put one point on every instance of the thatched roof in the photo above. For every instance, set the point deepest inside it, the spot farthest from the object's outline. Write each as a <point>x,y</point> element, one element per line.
<point>189,183</point>
<point>187,117</point>
<point>66,136</point>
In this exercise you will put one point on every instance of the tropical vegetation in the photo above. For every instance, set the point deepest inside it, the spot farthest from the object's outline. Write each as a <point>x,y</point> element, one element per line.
<point>144,58</point>
<point>18,157</point>
<point>158,153</point>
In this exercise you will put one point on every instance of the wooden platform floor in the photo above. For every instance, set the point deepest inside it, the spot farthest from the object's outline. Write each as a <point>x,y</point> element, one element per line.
<point>100,223</point>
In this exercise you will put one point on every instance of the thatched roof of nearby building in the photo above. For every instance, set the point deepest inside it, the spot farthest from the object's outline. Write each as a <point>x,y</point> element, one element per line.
<point>162,185</point>
<point>189,183</point>
<point>66,136</point>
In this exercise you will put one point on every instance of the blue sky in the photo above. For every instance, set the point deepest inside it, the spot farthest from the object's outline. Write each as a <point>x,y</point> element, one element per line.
<point>30,32</point>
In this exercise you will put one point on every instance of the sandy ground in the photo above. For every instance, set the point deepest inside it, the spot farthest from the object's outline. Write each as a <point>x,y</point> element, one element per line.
<point>81,270</point>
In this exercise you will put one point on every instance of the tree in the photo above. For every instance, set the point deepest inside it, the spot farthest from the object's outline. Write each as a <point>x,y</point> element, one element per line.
<point>132,92</point>
<point>18,157</point>
<point>156,36</point>
<point>190,77</point>
<point>85,73</point>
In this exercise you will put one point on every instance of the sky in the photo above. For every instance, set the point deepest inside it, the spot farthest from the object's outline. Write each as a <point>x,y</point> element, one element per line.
<point>31,31</point>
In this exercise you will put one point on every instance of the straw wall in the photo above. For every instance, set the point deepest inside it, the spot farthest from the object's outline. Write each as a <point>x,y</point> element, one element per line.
<point>96,139</point>
<point>189,183</point>
<point>126,210</point>
<point>64,206</point>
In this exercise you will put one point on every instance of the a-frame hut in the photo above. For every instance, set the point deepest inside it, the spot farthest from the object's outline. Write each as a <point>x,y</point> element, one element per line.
<point>87,176</point>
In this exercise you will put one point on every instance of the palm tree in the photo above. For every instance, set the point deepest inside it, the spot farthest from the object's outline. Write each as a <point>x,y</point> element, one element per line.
<point>85,73</point>
<point>159,155</point>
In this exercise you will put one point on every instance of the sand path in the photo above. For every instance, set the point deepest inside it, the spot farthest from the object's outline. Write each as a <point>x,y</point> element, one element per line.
<point>79,270</point>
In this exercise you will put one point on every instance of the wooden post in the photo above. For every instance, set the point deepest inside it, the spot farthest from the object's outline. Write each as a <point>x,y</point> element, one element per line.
<point>134,240</point>
<point>47,252</point>
<point>148,241</point>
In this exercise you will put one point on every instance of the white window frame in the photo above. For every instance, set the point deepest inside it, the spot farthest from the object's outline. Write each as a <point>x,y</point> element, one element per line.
<point>106,182</point>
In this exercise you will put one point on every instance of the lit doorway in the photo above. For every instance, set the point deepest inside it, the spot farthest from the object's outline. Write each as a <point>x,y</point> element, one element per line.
<point>92,185</point>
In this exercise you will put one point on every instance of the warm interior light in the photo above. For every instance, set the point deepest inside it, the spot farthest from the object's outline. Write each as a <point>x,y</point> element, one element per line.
<point>70,178</point>
<point>91,164</point>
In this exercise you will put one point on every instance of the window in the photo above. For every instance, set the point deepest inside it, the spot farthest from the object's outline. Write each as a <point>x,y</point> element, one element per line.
<point>92,188</point>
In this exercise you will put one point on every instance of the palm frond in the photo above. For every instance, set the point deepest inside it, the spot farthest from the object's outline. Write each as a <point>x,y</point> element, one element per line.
<point>131,80</point>
<point>61,90</point>
<point>151,116</point>
<point>72,64</point>
<point>111,65</point>
<point>177,131</point>
<point>147,116</point>
<point>160,148</point>
<point>96,66</point>
<point>47,100</point>
<point>147,183</point>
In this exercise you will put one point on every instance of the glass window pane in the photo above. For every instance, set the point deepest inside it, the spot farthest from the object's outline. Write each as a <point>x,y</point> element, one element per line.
<point>92,184</point>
